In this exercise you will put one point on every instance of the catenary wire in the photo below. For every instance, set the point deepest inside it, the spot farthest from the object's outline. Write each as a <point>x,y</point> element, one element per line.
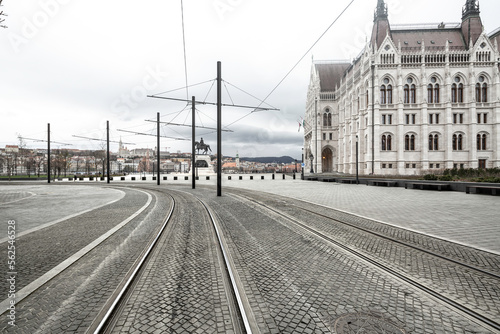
<point>296,64</point>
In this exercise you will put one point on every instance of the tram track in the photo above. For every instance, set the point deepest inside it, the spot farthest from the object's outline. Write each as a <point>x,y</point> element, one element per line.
<point>240,311</point>
<point>487,319</point>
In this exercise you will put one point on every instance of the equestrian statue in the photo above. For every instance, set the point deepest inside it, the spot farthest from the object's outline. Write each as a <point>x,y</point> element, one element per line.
<point>202,146</point>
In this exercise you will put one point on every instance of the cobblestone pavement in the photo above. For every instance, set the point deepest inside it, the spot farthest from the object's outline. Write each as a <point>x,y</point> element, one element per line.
<point>477,291</point>
<point>468,219</point>
<point>18,202</point>
<point>181,289</point>
<point>299,284</point>
<point>39,252</point>
<point>69,302</point>
<point>295,282</point>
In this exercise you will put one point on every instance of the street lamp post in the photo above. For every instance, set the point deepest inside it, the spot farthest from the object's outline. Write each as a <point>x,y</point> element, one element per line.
<point>311,157</point>
<point>302,165</point>
<point>357,164</point>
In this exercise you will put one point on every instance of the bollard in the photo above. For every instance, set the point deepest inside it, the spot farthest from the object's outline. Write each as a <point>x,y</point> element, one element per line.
<point>273,176</point>
<point>294,177</point>
<point>283,176</point>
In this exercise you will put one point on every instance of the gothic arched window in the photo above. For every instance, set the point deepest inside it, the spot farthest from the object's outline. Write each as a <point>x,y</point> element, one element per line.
<point>327,117</point>
<point>386,143</point>
<point>482,90</point>
<point>457,142</point>
<point>383,94</point>
<point>410,142</point>
<point>433,142</point>
<point>433,91</point>
<point>481,142</point>
<point>484,93</point>
<point>389,94</point>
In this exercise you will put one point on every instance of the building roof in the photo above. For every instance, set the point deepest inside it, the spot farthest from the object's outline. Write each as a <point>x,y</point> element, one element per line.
<point>330,74</point>
<point>432,38</point>
<point>495,35</point>
<point>229,165</point>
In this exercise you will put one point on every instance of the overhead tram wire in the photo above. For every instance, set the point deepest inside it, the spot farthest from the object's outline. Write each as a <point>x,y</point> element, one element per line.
<point>181,88</point>
<point>44,141</point>
<point>227,90</point>
<point>102,140</point>
<point>212,103</point>
<point>243,91</point>
<point>298,62</point>
<point>152,135</point>
<point>187,125</point>
<point>184,44</point>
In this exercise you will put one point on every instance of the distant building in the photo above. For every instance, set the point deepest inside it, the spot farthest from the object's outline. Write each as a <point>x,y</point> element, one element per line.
<point>418,99</point>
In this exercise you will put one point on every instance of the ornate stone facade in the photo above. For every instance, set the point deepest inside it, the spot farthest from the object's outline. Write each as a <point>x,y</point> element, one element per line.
<point>418,99</point>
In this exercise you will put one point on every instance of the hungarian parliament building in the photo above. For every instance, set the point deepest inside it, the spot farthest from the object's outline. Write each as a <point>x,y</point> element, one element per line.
<point>418,99</point>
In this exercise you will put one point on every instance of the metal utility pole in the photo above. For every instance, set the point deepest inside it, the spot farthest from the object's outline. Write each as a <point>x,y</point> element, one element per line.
<point>193,132</point>
<point>48,152</point>
<point>373,118</point>
<point>219,129</point>
<point>158,149</point>
<point>107,150</point>
<point>357,158</point>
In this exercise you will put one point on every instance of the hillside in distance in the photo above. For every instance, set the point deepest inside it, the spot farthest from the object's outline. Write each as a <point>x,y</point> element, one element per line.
<point>269,160</point>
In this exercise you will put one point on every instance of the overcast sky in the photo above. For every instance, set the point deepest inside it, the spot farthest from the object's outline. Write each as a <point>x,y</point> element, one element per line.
<point>76,64</point>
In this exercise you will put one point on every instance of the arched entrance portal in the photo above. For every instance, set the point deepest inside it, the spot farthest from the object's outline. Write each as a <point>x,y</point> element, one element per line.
<point>327,159</point>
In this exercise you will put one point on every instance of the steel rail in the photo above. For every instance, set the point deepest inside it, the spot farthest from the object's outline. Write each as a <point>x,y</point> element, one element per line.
<point>482,271</point>
<point>230,271</point>
<point>423,250</point>
<point>437,295</point>
<point>119,297</point>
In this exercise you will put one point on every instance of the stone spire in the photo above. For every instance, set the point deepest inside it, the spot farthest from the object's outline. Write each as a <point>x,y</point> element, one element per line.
<point>472,27</point>
<point>381,11</point>
<point>381,26</point>
<point>471,8</point>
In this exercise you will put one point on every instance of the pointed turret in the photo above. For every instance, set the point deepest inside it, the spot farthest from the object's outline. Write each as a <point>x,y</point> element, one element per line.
<point>472,26</point>
<point>381,26</point>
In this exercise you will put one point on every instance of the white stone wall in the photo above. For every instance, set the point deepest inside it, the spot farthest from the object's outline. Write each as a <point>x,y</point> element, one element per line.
<point>352,116</point>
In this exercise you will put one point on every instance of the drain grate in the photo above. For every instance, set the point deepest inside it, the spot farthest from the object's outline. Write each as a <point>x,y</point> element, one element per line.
<point>366,323</point>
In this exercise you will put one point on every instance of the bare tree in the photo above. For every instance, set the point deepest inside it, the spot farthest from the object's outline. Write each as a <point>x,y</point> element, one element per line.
<point>39,163</point>
<point>23,153</point>
<point>2,20</point>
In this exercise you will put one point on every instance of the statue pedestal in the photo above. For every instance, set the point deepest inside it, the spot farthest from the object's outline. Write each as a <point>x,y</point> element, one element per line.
<point>205,165</point>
